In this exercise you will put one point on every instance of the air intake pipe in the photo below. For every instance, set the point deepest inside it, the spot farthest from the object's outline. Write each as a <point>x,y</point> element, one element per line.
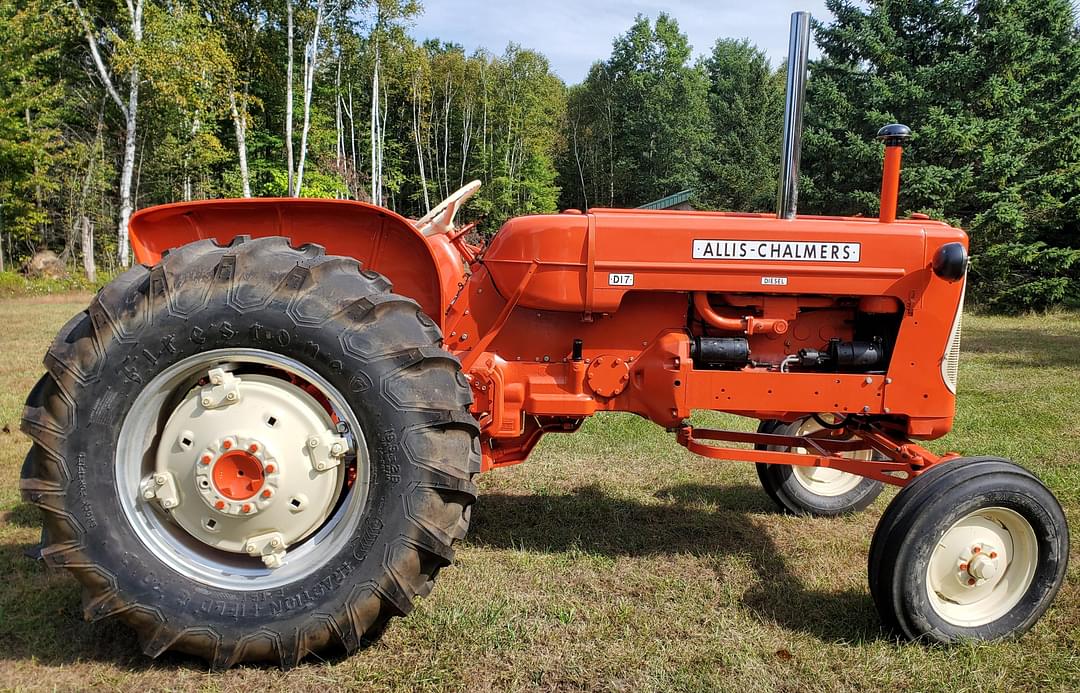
<point>787,197</point>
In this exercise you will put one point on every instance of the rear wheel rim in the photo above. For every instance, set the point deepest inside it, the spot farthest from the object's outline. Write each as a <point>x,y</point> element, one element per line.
<point>136,449</point>
<point>982,566</point>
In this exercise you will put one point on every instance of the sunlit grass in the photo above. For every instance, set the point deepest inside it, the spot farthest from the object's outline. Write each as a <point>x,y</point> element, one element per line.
<point>614,559</point>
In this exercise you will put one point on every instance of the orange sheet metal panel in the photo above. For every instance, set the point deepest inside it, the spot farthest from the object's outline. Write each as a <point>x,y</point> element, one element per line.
<point>427,270</point>
<point>668,250</point>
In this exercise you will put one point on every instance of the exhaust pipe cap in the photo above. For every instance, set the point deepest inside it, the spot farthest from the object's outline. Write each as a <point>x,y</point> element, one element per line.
<point>894,134</point>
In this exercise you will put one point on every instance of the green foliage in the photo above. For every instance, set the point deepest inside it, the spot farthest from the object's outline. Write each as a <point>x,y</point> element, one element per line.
<point>638,126</point>
<point>992,91</point>
<point>15,284</point>
<point>991,88</point>
<point>1016,277</point>
<point>746,104</point>
<point>31,113</point>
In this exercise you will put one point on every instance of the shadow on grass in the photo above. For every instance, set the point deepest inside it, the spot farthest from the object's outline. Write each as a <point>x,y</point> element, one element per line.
<point>591,521</point>
<point>40,611</point>
<point>1023,349</point>
<point>41,614</point>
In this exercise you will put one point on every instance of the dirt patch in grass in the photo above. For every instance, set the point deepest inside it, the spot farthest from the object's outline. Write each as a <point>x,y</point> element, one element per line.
<point>613,560</point>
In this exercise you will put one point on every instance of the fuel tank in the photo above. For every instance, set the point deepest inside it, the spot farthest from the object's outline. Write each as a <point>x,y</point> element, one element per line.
<point>588,262</point>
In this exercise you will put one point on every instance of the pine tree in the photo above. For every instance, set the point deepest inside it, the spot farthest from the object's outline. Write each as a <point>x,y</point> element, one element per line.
<point>992,92</point>
<point>746,102</point>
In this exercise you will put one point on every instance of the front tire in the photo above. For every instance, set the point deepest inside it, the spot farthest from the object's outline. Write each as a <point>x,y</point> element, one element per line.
<point>336,350</point>
<point>975,548</point>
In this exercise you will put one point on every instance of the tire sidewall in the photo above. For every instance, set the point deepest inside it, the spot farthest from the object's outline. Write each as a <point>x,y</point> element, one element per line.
<point>916,613</point>
<point>140,574</point>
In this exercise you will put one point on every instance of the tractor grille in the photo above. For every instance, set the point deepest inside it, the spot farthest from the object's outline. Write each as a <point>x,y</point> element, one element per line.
<point>950,364</point>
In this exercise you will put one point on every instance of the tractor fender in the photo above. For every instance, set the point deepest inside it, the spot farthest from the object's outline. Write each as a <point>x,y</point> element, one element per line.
<point>427,270</point>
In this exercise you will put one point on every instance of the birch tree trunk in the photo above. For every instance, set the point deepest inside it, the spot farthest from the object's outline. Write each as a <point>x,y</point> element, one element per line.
<point>129,110</point>
<point>352,144</point>
<point>240,125</point>
<point>376,184</point>
<point>88,249</point>
<point>289,94</point>
<point>311,61</point>
<point>419,145</point>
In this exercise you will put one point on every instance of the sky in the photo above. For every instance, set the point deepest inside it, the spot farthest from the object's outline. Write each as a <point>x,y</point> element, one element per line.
<point>575,34</point>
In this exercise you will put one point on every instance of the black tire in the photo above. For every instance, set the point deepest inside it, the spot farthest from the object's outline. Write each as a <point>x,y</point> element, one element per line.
<point>917,520</point>
<point>376,348</point>
<point>791,496</point>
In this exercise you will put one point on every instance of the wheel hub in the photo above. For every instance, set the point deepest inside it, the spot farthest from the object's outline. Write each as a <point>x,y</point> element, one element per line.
<point>981,566</point>
<point>238,475</point>
<point>249,464</point>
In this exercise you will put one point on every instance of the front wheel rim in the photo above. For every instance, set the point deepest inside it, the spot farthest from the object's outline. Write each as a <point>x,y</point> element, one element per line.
<point>982,566</point>
<point>136,450</point>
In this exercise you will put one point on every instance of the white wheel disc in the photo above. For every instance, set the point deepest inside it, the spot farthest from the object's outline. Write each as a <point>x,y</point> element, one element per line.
<point>182,448</point>
<point>981,567</point>
<point>825,481</point>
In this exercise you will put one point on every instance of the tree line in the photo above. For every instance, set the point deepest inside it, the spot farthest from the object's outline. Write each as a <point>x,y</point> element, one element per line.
<point>110,106</point>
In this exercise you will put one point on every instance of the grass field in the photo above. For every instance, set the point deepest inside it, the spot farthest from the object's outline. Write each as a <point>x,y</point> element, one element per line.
<point>613,560</point>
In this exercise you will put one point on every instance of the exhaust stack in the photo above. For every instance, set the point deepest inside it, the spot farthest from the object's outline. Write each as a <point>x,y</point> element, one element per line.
<point>787,198</point>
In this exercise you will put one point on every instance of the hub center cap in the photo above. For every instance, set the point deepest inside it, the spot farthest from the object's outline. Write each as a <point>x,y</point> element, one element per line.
<point>238,475</point>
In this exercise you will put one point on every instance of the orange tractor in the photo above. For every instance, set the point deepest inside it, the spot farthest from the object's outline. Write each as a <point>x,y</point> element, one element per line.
<point>263,440</point>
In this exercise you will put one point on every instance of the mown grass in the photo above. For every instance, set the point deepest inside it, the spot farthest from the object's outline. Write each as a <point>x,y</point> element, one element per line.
<point>613,560</point>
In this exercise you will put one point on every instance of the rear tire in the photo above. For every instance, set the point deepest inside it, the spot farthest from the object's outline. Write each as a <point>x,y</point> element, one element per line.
<point>377,354</point>
<point>813,491</point>
<point>973,549</point>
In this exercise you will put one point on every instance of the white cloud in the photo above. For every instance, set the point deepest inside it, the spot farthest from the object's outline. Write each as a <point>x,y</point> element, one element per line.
<point>573,35</point>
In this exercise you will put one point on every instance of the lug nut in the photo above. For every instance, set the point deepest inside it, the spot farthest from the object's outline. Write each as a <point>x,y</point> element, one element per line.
<point>227,444</point>
<point>205,459</point>
<point>976,549</point>
<point>964,567</point>
<point>220,505</point>
<point>993,554</point>
<point>270,469</point>
<point>266,493</point>
<point>253,448</point>
<point>246,507</point>
<point>971,581</point>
